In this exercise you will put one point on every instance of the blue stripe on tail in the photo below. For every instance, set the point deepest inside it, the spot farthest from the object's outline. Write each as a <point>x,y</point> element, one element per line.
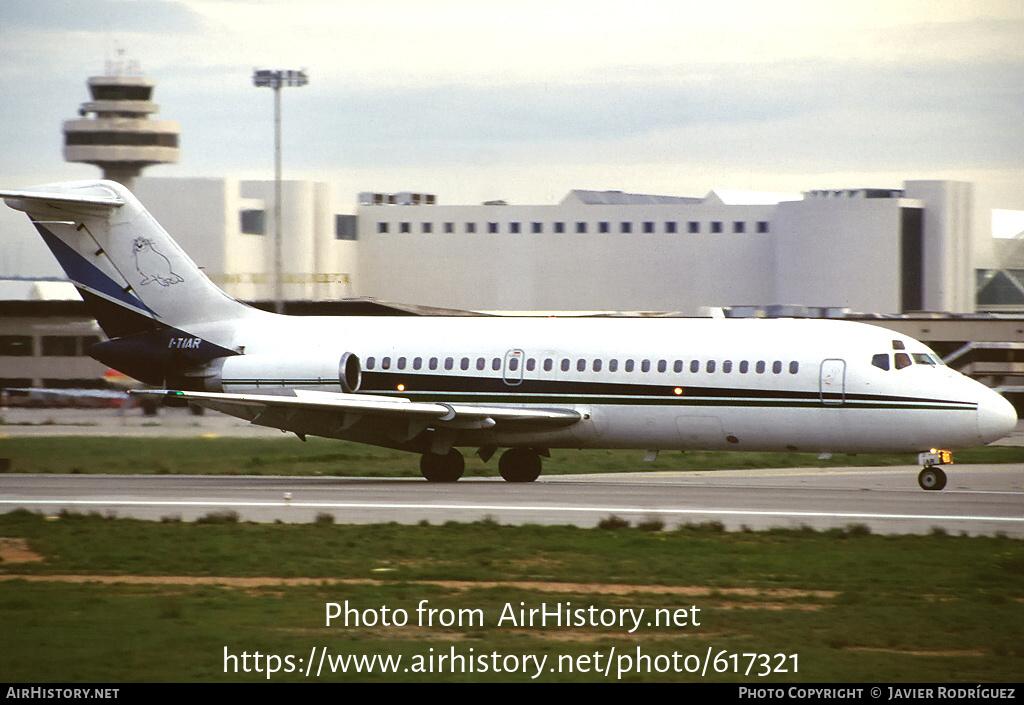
<point>86,274</point>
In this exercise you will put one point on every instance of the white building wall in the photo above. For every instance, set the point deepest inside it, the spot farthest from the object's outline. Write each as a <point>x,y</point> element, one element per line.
<point>839,251</point>
<point>335,274</point>
<point>298,233</point>
<point>949,279</point>
<point>200,214</point>
<point>249,256</point>
<point>565,270</point>
<point>204,216</point>
<point>316,265</point>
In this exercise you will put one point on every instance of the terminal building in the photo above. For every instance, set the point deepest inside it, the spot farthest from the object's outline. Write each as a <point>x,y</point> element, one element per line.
<point>878,250</point>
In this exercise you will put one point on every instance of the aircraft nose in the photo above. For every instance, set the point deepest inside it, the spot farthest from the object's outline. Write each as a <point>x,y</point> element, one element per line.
<point>996,417</point>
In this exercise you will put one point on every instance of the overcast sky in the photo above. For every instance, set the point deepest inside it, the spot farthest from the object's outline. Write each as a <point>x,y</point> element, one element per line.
<point>526,100</point>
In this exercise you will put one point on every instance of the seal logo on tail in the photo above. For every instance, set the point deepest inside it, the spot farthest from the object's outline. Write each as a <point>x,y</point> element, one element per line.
<point>151,264</point>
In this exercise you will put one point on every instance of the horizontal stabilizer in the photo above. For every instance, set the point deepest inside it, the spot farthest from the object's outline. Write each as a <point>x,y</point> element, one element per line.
<point>32,200</point>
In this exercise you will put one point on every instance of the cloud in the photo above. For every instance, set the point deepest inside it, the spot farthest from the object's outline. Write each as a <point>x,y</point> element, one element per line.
<point>130,16</point>
<point>454,84</point>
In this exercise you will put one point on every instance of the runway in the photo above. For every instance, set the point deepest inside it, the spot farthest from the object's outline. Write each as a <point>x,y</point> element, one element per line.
<point>979,499</point>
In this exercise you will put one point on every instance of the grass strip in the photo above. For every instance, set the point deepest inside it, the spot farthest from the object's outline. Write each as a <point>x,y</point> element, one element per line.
<point>854,607</point>
<point>318,456</point>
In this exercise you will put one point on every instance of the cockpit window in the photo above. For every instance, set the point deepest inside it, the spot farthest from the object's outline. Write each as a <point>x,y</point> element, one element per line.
<point>902,360</point>
<point>898,345</point>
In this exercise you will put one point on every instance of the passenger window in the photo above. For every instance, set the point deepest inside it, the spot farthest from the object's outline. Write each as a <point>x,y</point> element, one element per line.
<point>902,360</point>
<point>710,366</point>
<point>433,363</point>
<point>513,364</point>
<point>794,367</point>
<point>744,366</point>
<point>727,366</point>
<point>385,364</point>
<point>677,366</point>
<point>777,367</point>
<point>417,363</point>
<point>662,365</point>
<point>496,364</point>
<point>449,363</point>
<point>401,363</point>
<point>371,362</point>
<point>581,365</point>
<point>531,364</point>
<point>694,365</point>
<point>548,364</point>
<point>465,363</point>
<point>481,363</point>
<point>629,365</point>
<point>881,361</point>
<point>759,367</point>
<point>645,366</point>
<point>613,365</point>
<point>597,365</point>
<point>565,364</point>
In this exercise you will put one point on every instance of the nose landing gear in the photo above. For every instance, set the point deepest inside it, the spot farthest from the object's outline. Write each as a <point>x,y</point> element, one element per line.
<point>932,477</point>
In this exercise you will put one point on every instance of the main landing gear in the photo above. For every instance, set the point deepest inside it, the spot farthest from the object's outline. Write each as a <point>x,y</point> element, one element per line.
<point>519,465</point>
<point>932,477</point>
<point>442,468</point>
<point>515,465</point>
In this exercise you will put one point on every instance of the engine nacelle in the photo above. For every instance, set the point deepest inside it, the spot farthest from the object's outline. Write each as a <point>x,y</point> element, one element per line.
<point>265,373</point>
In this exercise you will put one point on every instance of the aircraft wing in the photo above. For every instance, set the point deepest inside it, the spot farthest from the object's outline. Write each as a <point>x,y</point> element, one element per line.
<point>303,410</point>
<point>68,396</point>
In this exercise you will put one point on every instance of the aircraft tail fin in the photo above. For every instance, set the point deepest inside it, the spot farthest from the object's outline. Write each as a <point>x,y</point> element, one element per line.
<point>163,316</point>
<point>134,277</point>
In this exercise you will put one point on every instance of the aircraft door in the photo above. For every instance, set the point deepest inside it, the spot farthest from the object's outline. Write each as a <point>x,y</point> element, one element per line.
<point>513,369</point>
<point>832,383</point>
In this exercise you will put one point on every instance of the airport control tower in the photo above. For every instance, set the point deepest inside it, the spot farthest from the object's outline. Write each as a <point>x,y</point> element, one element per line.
<point>115,131</point>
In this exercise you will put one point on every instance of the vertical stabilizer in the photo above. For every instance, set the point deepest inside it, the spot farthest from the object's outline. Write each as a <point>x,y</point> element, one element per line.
<point>127,267</point>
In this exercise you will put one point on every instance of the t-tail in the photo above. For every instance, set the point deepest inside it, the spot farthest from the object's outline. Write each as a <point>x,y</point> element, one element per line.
<point>162,315</point>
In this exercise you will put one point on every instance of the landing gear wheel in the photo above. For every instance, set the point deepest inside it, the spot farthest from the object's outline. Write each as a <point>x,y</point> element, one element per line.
<point>519,465</point>
<point>442,468</point>
<point>931,478</point>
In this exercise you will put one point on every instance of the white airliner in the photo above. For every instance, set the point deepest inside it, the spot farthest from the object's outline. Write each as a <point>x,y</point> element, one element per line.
<point>430,385</point>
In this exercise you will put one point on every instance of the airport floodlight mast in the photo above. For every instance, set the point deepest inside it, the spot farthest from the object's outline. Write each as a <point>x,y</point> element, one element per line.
<point>265,78</point>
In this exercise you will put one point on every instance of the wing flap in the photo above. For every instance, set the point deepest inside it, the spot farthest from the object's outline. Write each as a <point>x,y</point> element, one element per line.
<point>285,411</point>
